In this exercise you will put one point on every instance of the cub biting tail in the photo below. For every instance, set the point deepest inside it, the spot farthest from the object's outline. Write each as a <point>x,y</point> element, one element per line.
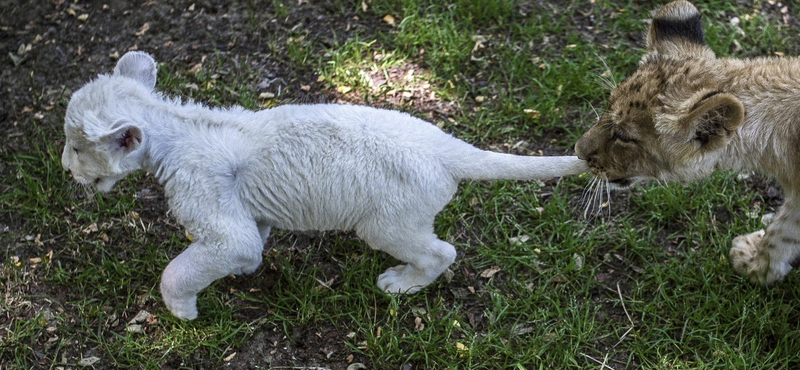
<point>684,113</point>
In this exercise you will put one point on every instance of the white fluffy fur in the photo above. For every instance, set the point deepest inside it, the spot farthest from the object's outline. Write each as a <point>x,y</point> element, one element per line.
<point>231,175</point>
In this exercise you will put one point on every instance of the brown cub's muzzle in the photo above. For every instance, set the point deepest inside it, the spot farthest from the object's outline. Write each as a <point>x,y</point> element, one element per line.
<point>586,147</point>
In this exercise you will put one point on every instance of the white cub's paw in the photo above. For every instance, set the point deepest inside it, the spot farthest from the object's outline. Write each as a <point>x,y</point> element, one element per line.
<point>184,309</point>
<point>400,279</point>
<point>746,260</point>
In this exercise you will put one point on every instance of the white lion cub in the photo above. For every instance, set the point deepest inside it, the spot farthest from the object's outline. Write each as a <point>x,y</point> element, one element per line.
<point>232,174</point>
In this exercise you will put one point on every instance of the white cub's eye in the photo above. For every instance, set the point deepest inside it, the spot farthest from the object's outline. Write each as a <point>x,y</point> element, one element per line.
<point>75,149</point>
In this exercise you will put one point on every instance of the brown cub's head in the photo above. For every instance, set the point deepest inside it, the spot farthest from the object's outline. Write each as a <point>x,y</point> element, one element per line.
<point>669,119</point>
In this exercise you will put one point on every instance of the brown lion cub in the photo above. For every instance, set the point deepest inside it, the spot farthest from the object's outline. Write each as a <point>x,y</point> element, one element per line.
<point>685,113</point>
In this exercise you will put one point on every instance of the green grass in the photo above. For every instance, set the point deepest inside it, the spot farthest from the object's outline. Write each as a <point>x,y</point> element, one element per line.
<point>648,286</point>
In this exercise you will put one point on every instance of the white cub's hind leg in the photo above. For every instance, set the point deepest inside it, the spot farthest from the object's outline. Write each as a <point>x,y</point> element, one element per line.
<point>427,258</point>
<point>766,257</point>
<point>263,231</point>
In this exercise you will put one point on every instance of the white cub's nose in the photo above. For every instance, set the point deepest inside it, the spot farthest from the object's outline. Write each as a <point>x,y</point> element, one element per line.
<point>64,161</point>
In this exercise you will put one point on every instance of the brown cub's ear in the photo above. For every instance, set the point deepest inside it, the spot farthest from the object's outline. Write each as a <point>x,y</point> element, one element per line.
<point>712,119</point>
<point>676,29</point>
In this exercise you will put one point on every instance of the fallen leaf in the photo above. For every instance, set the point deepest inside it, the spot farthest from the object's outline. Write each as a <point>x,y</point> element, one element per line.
<point>521,329</point>
<point>519,239</point>
<point>17,60</point>
<point>479,99</point>
<point>490,271</point>
<point>140,317</point>
<point>232,355</point>
<point>143,29</point>
<point>343,89</point>
<point>151,320</point>
<point>88,361</point>
<point>83,17</point>
<point>577,261</point>
<point>357,366</point>
<point>35,260</point>
<point>135,328</point>
<point>462,349</point>
<point>560,278</point>
<point>305,87</point>
<point>266,95</point>
<point>531,113</point>
<point>89,229</point>
<point>418,325</point>
<point>389,19</point>
<point>196,68</point>
<point>188,236</point>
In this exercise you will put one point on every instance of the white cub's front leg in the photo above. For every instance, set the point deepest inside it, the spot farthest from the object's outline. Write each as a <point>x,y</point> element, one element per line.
<point>201,264</point>
<point>766,257</point>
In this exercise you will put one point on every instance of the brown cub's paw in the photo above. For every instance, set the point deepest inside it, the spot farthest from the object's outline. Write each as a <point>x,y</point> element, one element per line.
<point>745,258</point>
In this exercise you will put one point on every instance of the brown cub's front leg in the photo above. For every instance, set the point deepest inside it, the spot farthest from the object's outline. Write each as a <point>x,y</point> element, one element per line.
<point>766,257</point>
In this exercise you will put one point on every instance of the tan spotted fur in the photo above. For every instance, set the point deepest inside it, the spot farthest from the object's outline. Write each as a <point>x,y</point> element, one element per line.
<point>685,113</point>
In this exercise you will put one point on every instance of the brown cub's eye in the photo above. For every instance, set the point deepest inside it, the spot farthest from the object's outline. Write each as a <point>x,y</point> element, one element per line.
<point>617,136</point>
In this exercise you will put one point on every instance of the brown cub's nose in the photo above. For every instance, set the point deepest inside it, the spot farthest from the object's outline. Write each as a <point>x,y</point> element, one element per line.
<point>580,148</point>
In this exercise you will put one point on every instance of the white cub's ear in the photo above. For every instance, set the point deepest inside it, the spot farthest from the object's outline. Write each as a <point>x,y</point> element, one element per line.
<point>124,140</point>
<point>138,66</point>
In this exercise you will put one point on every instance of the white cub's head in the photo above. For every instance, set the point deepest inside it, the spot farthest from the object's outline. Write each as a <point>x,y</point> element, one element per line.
<point>103,142</point>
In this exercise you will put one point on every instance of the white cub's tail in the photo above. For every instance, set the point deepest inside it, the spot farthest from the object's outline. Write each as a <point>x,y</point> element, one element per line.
<point>484,165</point>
